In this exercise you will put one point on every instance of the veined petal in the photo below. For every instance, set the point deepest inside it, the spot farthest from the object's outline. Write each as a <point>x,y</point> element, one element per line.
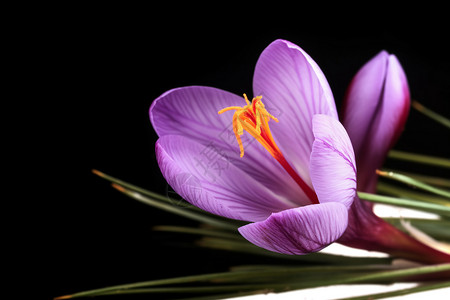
<point>299,230</point>
<point>362,99</point>
<point>333,167</point>
<point>388,124</point>
<point>294,89</point>
<point>394,110</point>
<point>192,112</point>
<point>375,113</point>
<point>204,177</point>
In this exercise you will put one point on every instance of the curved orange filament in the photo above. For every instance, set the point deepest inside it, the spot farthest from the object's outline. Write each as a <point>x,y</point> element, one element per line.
<point>254,119</point>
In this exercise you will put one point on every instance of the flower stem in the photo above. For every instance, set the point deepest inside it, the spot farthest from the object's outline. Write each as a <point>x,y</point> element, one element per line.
<point>369,232</point>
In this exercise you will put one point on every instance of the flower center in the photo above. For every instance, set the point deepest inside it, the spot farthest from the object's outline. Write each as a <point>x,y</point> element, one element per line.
<point>254,118</point>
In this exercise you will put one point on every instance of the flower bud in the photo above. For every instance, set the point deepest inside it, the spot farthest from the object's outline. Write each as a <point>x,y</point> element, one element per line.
<point>374,113</point>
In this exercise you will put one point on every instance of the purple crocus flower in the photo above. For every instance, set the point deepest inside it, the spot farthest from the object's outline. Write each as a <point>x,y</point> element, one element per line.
<point>374,113</point>
<point>295,185</point>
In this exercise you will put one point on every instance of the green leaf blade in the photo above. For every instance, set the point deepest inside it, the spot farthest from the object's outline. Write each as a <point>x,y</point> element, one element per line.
<point>407,203</point>
<point>415,183</point>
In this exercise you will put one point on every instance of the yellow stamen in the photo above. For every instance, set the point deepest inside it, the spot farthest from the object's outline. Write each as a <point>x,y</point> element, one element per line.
<point>229,108</point>
<point>254,119</point>
<point>246,99</point>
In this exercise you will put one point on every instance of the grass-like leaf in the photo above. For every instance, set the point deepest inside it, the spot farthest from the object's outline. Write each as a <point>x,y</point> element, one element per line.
<point>415,183</point>
<point>433,180</point>
<point>130,186</point>
<point>408,203</point>
<point>431,114</point>
<point>236,281</point>
<point>165,203</point>
<point>403,192</point>
<point>176,209</point>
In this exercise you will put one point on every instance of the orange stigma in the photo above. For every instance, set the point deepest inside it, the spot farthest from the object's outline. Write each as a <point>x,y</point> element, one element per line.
<point>254,118</point>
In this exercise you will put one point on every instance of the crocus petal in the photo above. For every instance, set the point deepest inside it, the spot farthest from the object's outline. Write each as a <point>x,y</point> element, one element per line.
<point>362,98</point>
<point>192,112</point>
<point>394,110</point>
<point>294,89</point>
<point>333,167</point>
<point>374,114</point>
<point>300,230</point>
<point>205,178</point>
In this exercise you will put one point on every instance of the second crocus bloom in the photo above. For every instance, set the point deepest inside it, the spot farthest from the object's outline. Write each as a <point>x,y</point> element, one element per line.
<point>374,114</point>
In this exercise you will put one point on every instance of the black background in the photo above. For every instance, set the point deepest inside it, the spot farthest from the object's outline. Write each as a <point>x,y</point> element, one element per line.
<point>107,66</point>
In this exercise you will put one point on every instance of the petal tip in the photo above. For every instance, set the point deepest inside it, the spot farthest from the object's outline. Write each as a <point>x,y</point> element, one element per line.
<point>383,53</point>
<point>299,231</point>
